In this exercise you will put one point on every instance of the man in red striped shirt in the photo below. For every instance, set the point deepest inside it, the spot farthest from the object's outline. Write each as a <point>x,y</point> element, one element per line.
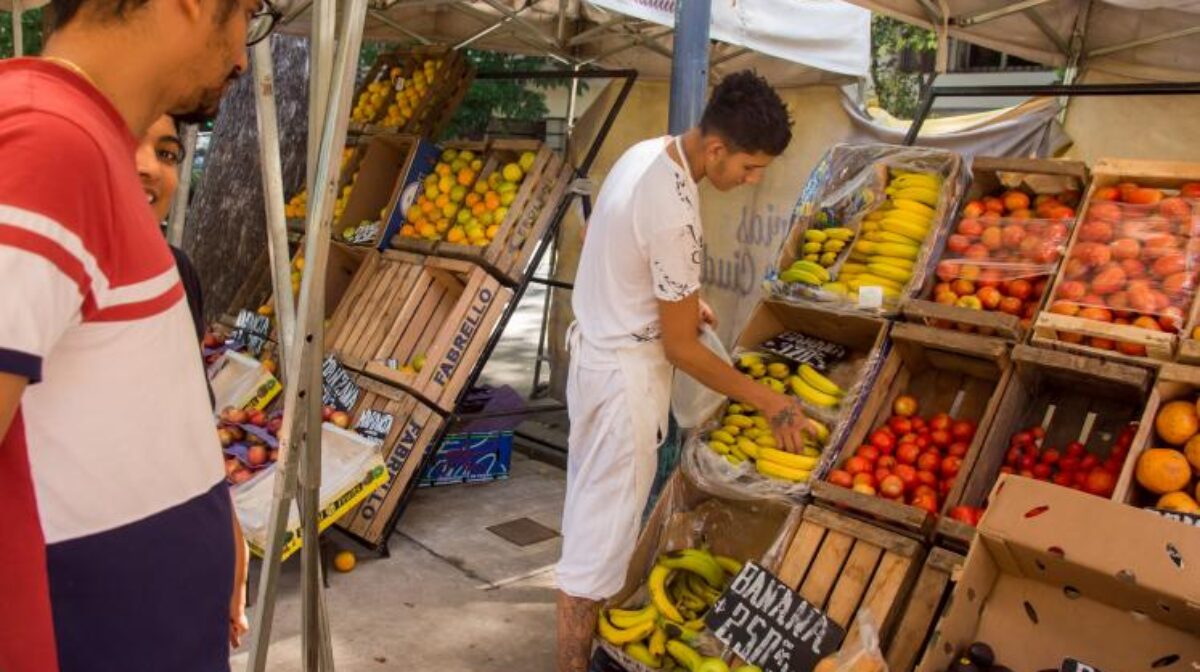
<point>116,539</point>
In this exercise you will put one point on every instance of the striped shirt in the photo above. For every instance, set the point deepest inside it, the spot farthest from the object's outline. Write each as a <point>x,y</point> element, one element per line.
<point>115,524</point>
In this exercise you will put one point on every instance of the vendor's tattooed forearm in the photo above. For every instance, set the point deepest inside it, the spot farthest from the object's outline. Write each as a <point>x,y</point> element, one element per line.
<point>787,416</point>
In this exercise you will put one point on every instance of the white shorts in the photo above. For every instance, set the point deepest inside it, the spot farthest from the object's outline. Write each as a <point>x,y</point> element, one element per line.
<point>609,478</point>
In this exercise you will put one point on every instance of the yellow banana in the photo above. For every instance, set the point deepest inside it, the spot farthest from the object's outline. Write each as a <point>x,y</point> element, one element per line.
<point>774,384</point>
<point>719,447</point>
<point>833,245</point>
<point>684,654</point>
<point>815,236</point>
<point>747,668</point>
<point>778,370</point>
<point>697,561</point>
<point>731,565</point>
<point>790,460</point>
<point>697,586</point>
<point>900,250</point>
<point>676,631</point>
<point>910,217</point>
<point>810,267</point>
<point>622,636</point>
<point>722,436</point>
<point>810,451</point>
<point>737,454</point>
<point>820,429</point>
<point>903,264</point>
<point>766,441</point>
<point>919,194</point>
<point>683,597</point>
<point>739,421</point>
<point>734,459</point>
<point>820,382</point>
<point>892,238</point>
<point>658,642</point>
<point>828,259</point>
<point>812,395</point>
<point>777,470</point>
<point>626,618</point>
<point>926,180</point>
<point>750,448</point>
<point>736,409</point>
<point>839,233</point>
<point>712,665</point>
<point>850,267</point>
<point>640,653</point>
<point>809,248</point>
<point>890,272</point>
<point>912,232</point>
<point>870,225</point>
<point>760,422</point>
<point>838,288</point>
<point>748,360</point>
<point>657,585</point>
<point>753,433</point>
<point>869,279</point>
<point>813,258</point>
<point>731,430</point>
<point>909,205</point>
<point>793,276</point>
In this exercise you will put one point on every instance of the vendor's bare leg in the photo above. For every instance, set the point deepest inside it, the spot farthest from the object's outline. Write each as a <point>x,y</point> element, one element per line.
<point>576,623</point>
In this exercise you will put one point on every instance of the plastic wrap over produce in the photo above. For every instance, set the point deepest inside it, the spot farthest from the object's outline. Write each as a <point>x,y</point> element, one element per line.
<point>693,545</point>
<point>866,227</point>
<point>736,453</point>
<point>1134,262</point>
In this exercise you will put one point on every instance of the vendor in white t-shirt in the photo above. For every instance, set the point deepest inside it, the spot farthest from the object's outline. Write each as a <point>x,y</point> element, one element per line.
<point>638,310</point>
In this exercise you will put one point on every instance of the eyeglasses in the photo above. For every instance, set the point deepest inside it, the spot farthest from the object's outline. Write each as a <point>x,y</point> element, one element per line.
<point>262,23</point>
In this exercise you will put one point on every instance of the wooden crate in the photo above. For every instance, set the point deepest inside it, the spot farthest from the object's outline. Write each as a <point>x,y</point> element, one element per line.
<point>435,109</point>
<point>405,449</point>
<point>1174,382</point>
<point>930,596</point>
<point>386,161</point>
<point>988,175</point>
<point>1160,346</point>
<point>529,216</point>
<point>407,305</point>
<point>1073,397</point>
<point>960,374</point>
<point>841,565</point>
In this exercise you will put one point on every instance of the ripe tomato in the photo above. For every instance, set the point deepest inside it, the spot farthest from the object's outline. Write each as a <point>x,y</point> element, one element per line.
<point>941,421</point>
<point>1075,449</point>
<point>963,430</point>
<point>1038,433</point>
<point>908,474</point>
<point>891,486</point>
<point>864,479</point>
<point>923,441</point>
<point>900,425</point>
<point>881,474</point>
<point>1063,478</point>
<point>1068,464</point>
<point>941,438</point>
<point>950,466</point>
<point>905,405</point>
<point>919,424</point>
<point>886,462</point>
<point>1100,482</point>
<point>1089,462</point>
<point>929,461</point>
<point>907,454</point>
<point>1042,471</point>
<point>958,449</point>
<point>925,502</point>
<point>857,465</point>
<point>928,478</point>
<point>883,438</point>
<point>1026,463</point>
<point>964,514</point>
<point>1050,456</point>
<point>1013,457</point>
<point>868,453</point>
<point>1021,439</point>
<point>841,477</point>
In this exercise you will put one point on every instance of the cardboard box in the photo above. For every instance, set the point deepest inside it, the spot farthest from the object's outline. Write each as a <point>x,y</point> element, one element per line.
<point>477,450</point>
<point>241,381</point>
<point>392,167</point>
<point>1175,382</point>
<point>1055,573</point>
<point>990,175</point>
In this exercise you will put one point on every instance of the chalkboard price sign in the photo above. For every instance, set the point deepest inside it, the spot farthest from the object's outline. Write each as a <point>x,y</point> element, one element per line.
<point>766,623</point>
<point>252,331</point>
<point>802,349</point>
<point>375,425</point>
<point>339,390</point>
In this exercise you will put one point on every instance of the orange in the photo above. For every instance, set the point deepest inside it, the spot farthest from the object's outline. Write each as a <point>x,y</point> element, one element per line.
<point>1163,470</point>
<point>492,231</point>
<point>408,231</point>
<point>344,561</point>
<point>478,209</point>
<point>427,207</point>
<point>1192,452</point>
<point>442,169</point>
<point>472,199</point>
<point>1178,501</point>
<point>1177,422</point>
<point>492,199</point>
<point>442,201</point>
<point>427,230</point>
<point>466,177</point>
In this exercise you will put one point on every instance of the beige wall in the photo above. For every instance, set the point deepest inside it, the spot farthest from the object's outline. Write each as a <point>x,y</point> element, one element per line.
<point>743,229</point>
<point>1133,127</point>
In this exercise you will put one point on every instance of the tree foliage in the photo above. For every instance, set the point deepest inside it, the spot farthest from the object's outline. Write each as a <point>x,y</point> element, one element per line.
<point>31,32</point>
<point>505,98</point>
<point>897,91</point>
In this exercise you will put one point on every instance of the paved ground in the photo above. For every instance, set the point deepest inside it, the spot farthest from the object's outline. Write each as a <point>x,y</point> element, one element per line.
<point>453,595</point>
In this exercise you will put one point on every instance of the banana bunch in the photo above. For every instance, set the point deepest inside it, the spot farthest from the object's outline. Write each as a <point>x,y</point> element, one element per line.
<point>683,586</point>
<point>818,253</point>
<point>892,235</point>
<point>746,435</point>
<point>691,660</point>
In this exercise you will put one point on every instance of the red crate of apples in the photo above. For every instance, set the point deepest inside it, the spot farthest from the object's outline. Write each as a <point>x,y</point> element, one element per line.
<point>1133,264</point>
<point>1003,253</point>
<point>250,439</point>
<point>910,459</point>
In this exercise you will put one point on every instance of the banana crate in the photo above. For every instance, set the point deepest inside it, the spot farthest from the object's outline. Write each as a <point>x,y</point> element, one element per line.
<point>406,428</point>
<point>494,210</point>
<point>827,361</point>
<point>1003,249</point>
<point>867,228</point>
<point>692,544</point>
<point>414,91</point>
<point>920,429</point>
<point>418,322</point>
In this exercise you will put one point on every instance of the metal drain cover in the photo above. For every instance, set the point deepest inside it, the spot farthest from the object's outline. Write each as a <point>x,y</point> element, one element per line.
<point>523,532</point>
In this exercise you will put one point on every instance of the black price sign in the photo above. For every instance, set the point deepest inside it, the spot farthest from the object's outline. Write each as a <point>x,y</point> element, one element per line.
<point>339,390</point>
<point>803,349</point>
<point>252,331</point>
<point>375,425</point>
<point>1072,665</point>
<point>768,624</point>
<point>1177,516</point>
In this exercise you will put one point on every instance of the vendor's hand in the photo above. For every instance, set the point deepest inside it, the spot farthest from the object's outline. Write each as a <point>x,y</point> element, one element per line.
<point>788,422</point>
<point>707,316</point>
<point>239,625</point>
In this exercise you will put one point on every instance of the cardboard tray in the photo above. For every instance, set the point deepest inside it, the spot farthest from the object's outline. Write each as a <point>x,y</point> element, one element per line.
<point>988,175</point>
<point>1174,382</point>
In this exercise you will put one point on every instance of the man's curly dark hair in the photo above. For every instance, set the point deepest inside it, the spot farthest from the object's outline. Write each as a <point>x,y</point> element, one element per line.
<point>748,114</point>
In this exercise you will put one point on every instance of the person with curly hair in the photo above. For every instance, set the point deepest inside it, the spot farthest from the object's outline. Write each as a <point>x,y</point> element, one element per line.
<point>638,317</point>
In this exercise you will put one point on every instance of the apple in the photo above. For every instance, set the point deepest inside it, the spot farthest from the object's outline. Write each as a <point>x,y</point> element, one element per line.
<point>948,270</point>
<point>958,449</point>
<point>863,488</point>
<point>1099,482</point>
<point>1012,235</point>
<point>970,227</point>
<point>1015,200</point>
<point>340,418</point>
<point>969,302</point>
<point>1108,279</point>
<point>963,430</point>
<point>969,272</point>
<point>993,205</point>
<point>225,436</point>
<point>891,486</point>
<point>882,439</point>
<point>241,475</point>
<point>926,503</point>
<point>841,478</point>
<point>1011,305</point>
<point>326,413</point>
<point>864,478</point>
<point>1020,288</point>
<point>977,252</point>
<point>990,297</point>
<point>886,462</point>
<point>950,466</point>
<point>857,465</point>
<point>992,238</point>
<point>1072,290</point>
<point>989,278</point>
<point>927,478</point>
<point>973,209</point>
<point>1143,196</point>
<point>1096,231</point>
<point>256,455</point>
<point>958,243</point>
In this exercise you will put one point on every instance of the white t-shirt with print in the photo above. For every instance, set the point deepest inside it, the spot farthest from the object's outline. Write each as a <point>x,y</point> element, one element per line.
<point>644,243</point>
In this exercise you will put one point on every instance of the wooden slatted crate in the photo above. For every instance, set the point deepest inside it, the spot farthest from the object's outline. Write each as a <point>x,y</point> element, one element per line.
<point>930,597</point>
<point>389,164</point>
<point>1083,335</point>
<point>528,217</point>
<point>989,175</point>
<point>414,427</point>
<point>960,374</point>
<point>1072,397</point>
<point>841,565</point>
<point>1175,382</point>
<point>405,306</point>
<point>435,107</point>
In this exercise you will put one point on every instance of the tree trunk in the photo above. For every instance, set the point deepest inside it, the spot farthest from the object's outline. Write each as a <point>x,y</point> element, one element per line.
<point>225,234</point>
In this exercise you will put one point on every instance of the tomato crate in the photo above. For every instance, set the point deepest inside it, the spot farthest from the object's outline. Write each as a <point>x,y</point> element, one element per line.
<point>960,378</point>
<point>406,428</point>
<point>1127,285</point>
<point>1071,398</point>
<point>509,243</point>
<point>418,322</point>
<point>930,596</point>
<point>997,263</point>
<point>841,565</point>
<point>414,91</point>
<point>1177,385</point>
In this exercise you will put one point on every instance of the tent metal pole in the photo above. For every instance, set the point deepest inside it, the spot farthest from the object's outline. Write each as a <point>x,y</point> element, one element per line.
<point>597,32</point>
<point>689,64</point>
<point>1173,35</point>
<point>387,21</point>
<point>993,14</point>
<point>18,33</point>
<point>1048,30</point>
<point>272,175</point>
<point>178,214</point>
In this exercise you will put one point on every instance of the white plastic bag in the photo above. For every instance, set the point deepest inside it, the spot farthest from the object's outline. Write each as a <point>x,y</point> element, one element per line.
<point>691,402</point>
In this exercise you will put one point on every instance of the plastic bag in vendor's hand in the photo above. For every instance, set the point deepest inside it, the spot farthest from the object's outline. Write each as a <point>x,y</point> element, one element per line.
<point>860,654</point>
